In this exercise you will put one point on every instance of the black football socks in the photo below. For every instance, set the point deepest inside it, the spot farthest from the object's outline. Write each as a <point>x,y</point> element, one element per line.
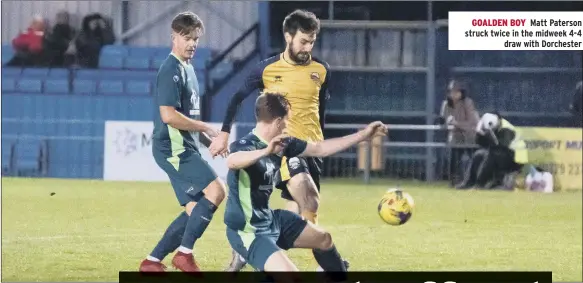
<point>199,219</point>
<point>332,263</point>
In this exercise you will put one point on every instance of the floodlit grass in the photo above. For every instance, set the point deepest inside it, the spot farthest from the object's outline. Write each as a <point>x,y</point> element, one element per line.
<point>90,230</point>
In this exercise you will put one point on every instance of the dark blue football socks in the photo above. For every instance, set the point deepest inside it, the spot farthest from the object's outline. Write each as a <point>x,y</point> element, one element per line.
<point>199,219</point>
<point>172,237</point>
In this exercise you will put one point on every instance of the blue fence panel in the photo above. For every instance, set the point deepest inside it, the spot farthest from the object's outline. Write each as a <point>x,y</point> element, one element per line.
<point>72,125</point>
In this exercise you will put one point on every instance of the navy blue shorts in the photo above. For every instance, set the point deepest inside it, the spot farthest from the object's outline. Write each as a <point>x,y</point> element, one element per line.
<point>189,175</point>
<point>256,247</point>
<point>296,165</point>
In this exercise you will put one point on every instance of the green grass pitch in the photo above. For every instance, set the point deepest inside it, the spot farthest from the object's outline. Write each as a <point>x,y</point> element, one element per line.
<point>90,230</point>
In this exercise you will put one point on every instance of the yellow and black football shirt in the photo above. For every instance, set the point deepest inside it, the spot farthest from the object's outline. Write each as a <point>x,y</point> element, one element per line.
<point>305,86</point>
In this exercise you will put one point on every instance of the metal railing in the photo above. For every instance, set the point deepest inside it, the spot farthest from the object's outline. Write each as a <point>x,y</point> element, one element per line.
<point>404,160</point>
<point>390,159</point>
<point>366,150</point>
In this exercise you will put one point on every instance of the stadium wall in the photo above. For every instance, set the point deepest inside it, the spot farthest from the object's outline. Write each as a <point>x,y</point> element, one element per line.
<point>225,21</point>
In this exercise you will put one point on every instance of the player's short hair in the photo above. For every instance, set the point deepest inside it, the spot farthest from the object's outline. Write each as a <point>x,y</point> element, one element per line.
<point>301,20</point>
<point>186,22</point>
<point>270,106</point>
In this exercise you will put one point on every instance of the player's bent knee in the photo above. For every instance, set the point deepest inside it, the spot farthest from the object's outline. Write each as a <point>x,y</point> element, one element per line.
<point>189,206</point>
<point>326,241</point>
<point>304,192</point>
<point>216,191</point>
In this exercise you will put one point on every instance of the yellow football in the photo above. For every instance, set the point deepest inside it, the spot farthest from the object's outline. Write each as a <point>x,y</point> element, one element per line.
<point>396,207</point>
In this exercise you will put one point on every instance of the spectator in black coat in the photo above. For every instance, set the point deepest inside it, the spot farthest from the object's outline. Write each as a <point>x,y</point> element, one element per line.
<point>96,32</point>
<point>58,41</point>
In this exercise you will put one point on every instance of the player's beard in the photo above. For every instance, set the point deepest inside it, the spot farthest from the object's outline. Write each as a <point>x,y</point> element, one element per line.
<point>298,57</point>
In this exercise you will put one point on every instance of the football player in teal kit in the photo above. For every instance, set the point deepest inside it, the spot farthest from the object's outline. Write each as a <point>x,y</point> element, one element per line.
<point>177,128</point>
<point>255,231</point>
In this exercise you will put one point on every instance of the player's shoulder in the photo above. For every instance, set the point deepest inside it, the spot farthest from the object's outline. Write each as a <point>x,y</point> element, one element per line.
<point>246,143</point>
<point>268,61</point>
<point>170,66</point>
<point>318,61</point>
<point>260,66</point>
<point>271,60</point>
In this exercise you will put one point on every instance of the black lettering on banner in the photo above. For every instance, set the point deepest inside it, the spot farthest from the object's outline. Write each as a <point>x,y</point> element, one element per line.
<point>543,144</point>
<point>576,145</point>
<point>574,169</point>
<point>146,140</point>
<point>570,169</point>
<point>553,168</point>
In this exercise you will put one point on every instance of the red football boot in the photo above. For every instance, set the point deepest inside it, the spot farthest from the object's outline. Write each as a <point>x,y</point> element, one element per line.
<point>152,266</point>
<point>185,262</point>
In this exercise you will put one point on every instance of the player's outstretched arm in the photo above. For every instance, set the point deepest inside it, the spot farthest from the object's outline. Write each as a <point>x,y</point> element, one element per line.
<point>244,159</point>
<point>177,120</point>
<point>332,146</point>
<point>220,144</point>
<point>241,159</point>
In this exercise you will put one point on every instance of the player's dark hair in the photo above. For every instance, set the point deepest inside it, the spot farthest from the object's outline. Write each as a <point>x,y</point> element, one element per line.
<point>270,106</point>
<point>186,23</point>
<point>301,20</point>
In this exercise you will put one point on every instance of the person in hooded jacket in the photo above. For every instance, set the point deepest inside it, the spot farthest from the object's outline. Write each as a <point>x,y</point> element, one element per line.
<point>95,33</point>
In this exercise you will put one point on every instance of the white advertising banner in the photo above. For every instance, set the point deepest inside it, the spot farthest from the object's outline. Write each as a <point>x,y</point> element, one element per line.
<point>128,153</point>
<point>512,30</point>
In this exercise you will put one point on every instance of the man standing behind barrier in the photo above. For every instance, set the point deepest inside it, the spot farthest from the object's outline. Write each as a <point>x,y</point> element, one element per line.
<point>502,154</point>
